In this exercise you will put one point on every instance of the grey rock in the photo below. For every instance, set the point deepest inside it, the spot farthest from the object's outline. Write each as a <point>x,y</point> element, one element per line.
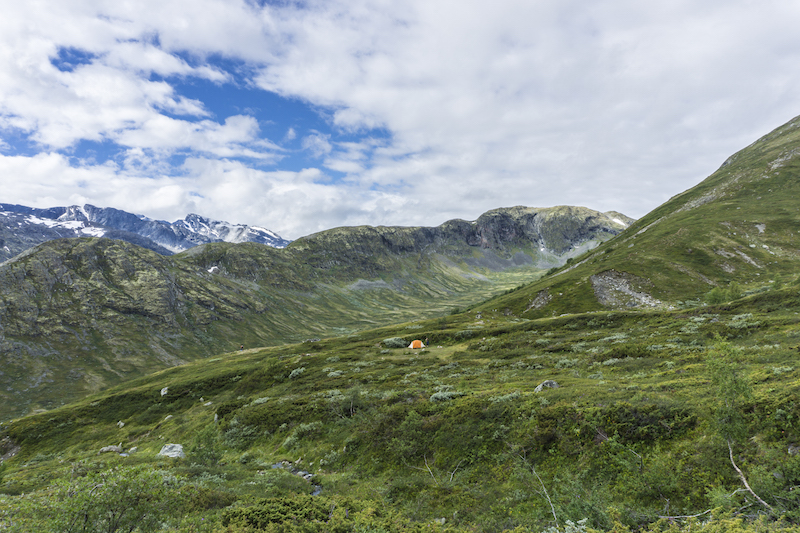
<point>546,384</point>
<point>111,449</point>
<point>172,450</point>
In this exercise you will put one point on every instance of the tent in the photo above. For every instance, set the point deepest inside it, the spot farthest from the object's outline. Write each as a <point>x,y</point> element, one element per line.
<point>416,344</point>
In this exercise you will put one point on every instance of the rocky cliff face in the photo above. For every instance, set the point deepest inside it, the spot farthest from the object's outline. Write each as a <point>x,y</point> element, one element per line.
<point>546,236</point>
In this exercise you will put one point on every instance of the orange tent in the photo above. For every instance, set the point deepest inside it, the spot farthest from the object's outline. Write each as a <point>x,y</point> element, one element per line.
<point>416,344</point>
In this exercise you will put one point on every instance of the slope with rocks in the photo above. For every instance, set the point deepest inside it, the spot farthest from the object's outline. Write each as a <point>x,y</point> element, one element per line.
<point>612,421</point>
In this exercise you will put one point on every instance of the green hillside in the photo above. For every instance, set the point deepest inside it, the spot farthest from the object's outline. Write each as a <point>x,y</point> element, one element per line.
<point>399,439</point>
<point>739,226</point>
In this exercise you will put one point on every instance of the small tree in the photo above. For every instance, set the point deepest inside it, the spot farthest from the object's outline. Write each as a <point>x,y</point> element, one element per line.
<point>395,342</point>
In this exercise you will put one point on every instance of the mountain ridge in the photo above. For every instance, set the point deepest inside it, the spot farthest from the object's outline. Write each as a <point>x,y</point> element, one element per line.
<point>616,393</point>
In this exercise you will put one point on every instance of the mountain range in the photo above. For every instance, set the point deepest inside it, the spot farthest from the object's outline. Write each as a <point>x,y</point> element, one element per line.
<point>80,314</point>
<point>22,227</point>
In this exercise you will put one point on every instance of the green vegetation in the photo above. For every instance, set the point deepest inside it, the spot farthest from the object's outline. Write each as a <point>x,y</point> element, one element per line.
<point>400,439</point>
<point>734,233</point>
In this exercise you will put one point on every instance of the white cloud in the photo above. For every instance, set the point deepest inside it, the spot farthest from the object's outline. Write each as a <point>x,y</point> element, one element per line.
<point>613,104</point>
<point>231,139</point>
<point>561,95</point>
<point>318,144</point>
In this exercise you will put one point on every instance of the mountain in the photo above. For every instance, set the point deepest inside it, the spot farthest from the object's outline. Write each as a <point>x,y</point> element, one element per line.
<point>77,315</point>
<point>23,227</point>
<point>735,232</point>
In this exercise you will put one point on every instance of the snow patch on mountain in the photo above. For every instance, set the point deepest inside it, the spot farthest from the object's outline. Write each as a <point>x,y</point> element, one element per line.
<point>26,226</point>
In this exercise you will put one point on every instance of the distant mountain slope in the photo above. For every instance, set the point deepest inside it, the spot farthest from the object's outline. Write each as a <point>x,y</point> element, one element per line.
<point>22,227</point>
<point>80,314</point>
<point>740,225</point>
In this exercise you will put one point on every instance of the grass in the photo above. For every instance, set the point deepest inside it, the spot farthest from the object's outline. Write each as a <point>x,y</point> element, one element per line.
<point>89,346</point>
<point>739,226</point>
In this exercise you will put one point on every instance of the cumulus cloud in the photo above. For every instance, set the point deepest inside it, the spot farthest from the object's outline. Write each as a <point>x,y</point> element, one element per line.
<point>317,144</point>
<point>431,109</point>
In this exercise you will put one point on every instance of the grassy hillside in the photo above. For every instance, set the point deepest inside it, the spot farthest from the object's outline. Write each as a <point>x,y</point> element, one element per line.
<point>635,430</point>
<point>738,226</point>
<point>80,315</point>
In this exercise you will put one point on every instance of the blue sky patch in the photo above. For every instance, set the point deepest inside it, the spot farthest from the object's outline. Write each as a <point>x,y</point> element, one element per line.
<point>70,58</point>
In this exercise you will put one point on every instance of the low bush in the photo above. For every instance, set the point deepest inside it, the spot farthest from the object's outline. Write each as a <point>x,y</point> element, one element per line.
<point>395,342</point>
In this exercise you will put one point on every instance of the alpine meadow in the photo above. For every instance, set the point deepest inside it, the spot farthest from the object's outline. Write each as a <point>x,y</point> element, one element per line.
<point>582,372</point>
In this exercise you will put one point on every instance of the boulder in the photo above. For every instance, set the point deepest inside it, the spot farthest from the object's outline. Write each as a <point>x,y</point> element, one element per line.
<point>546,384</point>
<point>111,449</point>
<point>172,450</point>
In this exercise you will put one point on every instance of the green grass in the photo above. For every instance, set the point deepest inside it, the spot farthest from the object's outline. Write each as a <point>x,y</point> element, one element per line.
<point>114,326</point>
<point>738,226</point>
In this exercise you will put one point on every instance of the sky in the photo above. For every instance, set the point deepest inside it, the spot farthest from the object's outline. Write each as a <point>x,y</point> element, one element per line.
<point>299,116</point>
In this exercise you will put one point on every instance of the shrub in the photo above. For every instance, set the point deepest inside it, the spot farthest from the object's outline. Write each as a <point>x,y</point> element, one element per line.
<point>299,432</point>
<point>226,408</point>
<point>120,499</point>
<point>276,511</point>
<point>239,436</point>
<point>206,449</point>
<point>743,321</point>
<point>646,423</point>
<point>716,296</point>
<point>510,397</point>
<point>395,342</point>
<point>566,363</point>
<point>445,396</point>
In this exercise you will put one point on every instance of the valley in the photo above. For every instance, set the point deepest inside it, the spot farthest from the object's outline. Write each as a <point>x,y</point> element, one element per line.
<point>79,315</point>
